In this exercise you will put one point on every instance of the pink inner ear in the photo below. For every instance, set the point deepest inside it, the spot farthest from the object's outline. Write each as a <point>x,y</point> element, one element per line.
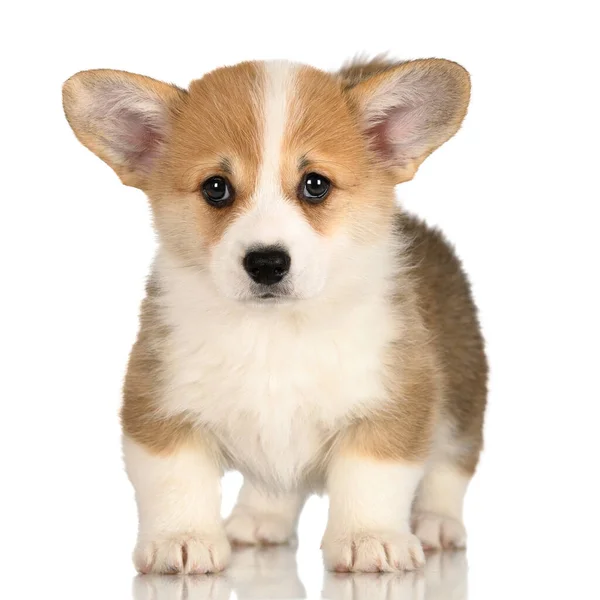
<point>136,138</point>
<point>380,141</point>
<point>395,137</point>
<point>132,122</point>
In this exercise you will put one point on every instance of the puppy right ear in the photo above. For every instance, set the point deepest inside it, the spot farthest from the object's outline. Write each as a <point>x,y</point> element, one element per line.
<point>408,109</point>
<point>122,118</point>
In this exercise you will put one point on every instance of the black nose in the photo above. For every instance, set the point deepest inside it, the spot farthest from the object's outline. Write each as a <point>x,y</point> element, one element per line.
<point>267,265</point>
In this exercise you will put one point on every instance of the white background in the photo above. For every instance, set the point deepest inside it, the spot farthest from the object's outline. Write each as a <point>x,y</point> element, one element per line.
<point>516,190</point>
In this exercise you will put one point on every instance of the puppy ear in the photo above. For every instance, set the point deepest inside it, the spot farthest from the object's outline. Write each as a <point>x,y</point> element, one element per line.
<point>408,109</point>
<point>122,118</point>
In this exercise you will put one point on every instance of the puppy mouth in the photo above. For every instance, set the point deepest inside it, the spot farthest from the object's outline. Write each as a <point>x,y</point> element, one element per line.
<point>270,296</point>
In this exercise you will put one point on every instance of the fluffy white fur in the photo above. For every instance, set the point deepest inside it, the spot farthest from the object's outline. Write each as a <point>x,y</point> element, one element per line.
<point>179,501</point>
<point>235,368</point>
<point>260,517</point>
<point>438,518</point>
<point>369,516</point>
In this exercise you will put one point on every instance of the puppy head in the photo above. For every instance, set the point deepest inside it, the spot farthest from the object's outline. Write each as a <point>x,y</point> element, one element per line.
<point>275,179</point>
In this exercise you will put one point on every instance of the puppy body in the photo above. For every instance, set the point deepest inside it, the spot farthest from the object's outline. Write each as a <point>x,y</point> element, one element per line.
<point>275,385</point>
<point>363,377</point>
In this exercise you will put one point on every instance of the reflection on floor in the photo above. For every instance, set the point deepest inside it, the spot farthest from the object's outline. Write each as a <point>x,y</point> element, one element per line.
<point>272,574</point>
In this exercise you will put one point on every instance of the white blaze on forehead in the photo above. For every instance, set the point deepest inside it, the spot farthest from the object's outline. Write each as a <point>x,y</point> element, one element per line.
<point>272,215</point>
<point>272,218</point>
<point>279,82</point>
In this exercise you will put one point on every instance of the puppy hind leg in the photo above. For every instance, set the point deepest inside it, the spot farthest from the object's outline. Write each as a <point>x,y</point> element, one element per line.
<point>437,517</point>
<point>263,518</point>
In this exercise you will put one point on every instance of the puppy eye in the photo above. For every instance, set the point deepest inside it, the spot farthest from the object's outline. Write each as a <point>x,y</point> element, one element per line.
<point>314,188</point>
<point>217,191</point>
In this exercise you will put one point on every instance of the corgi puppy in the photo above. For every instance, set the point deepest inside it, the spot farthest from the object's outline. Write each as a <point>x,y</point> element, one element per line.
<point>298,326</point>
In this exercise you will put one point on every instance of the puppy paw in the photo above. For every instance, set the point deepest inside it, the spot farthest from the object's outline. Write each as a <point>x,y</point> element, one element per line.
<point>184,554</point>
<point>439,532</point>
<point>246,527</point>
<point>372,552</point>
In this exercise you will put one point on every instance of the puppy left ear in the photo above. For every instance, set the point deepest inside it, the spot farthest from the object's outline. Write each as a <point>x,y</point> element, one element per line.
<point>408,109</point>
<point>123,118</point>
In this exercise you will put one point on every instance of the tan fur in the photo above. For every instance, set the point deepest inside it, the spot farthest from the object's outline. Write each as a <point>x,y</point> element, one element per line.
<point>357,70</point>
<point>449,313</point>
<point>404,430</point>
<point>143,384</point>
<point>438,369</point>
<point>142,388</point>
<point>324,137</point>
<point>218,124</point>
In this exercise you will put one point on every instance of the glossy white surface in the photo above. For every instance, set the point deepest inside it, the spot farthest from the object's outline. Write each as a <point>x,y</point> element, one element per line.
<point>273,573</point>
<point>82,550</point>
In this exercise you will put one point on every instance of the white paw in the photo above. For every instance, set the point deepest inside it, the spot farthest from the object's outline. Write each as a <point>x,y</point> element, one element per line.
<point>372,552</point>
<point>438,532</point>
<point>190,554</point>
<point>256,528</point>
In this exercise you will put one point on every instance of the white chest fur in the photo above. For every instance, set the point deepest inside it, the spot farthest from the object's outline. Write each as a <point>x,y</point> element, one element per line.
<point>272,382</point>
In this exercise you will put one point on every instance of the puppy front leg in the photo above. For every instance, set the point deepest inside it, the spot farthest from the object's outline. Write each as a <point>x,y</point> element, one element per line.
<point>369,514</point>
<point>178,494</point>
